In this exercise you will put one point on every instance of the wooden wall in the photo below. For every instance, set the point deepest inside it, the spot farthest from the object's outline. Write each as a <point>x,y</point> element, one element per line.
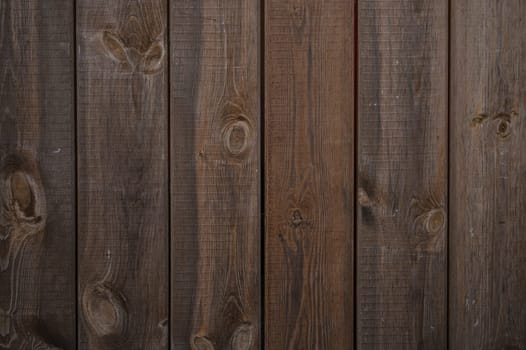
<point>262,174</point>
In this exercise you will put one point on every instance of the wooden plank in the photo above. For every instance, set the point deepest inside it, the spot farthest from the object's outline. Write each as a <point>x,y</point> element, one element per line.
<point>402,179</point>
<point>215,116</point>
<point>37,174</point>
<point>488,187</point>
<point>309,150</point>
<point>123,174</point>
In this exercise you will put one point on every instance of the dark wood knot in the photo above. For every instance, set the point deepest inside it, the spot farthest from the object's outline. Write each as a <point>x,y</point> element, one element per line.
<point>503,122</point>
<point>201,343</point>
<point>237,135</point>
<point>105,310</point>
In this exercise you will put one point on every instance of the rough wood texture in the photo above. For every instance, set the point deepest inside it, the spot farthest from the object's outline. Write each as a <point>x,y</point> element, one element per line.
<point>402,164</point>
<point>309,127</point>
<point>123,172</point>
<point>37,217</point>
<point>487,169</point>
<point>215,116</point>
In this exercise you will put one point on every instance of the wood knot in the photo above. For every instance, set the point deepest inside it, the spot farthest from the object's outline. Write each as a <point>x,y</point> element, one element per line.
<point>132,59</point>
<point>296,219</point>
<point>22,204</point>
<point>201,343</point>
<point>242,337</point>
<point>236,135</point>
<point>363,198</point>
<point>503,125</point>
<point>105,310</point>
<point>503,122</point>
<point>429,222</point>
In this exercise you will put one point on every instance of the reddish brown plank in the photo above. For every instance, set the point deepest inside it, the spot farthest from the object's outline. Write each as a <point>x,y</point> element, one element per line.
<point>402,180</point>
<point>488,186</point>
<point>37,174</point>
<point>309,127</point>
<point>215,116</point>
<point>123,174</point>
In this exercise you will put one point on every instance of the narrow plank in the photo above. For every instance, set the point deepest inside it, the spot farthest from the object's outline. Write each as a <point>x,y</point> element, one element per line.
<point>402,174</point>
<point>488,186</point>
<point>37,174</point>
<point>215,117</point>
<point>309,181</point>
<point>123,174</point>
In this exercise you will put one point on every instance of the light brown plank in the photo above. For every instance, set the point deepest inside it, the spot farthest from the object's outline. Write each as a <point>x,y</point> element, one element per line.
<point>309,128</point>
<point>37,174</point>
<point>488,186</point>
<point>123,174</point>
<point>402,164</point>
<point>215,118</point>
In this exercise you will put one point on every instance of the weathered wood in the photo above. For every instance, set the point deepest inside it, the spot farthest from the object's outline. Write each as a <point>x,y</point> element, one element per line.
<point>37,174</point>
<point>215,116</point>
<point>309,128</point>
<point>487,169</point>
<point>402,164</point>
<point>123,174</point>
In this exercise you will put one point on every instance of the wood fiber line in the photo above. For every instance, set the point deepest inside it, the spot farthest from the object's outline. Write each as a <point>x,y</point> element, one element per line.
<point>37,217</point>
<point>309,150</point>
<point>487,170</point>
<point>402,174</point>
<point>215,118</point>
<point>123,174</point>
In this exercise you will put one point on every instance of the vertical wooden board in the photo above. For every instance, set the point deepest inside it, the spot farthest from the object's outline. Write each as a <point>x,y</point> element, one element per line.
<point>309,157</point>
<point>488,168</point>
<point>402,165</point>
<point>123,174</point>
<point>215,118</point>
<point>37,174</point>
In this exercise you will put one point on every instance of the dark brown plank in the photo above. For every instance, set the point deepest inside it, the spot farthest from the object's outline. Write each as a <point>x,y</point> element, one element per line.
<point>123,174</point>
<point>488,167</point>
<point>37,174</point>
<point>402,164</point>
<point>215,116</point>
<point>309,128</point>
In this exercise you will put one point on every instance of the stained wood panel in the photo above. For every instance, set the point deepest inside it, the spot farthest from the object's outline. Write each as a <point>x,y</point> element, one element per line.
<point>309,127</point>
<point>215,118</point>
<point>123,174</point>
<point>488,164</point>
<point>37,216</point>
<point>402,174</point>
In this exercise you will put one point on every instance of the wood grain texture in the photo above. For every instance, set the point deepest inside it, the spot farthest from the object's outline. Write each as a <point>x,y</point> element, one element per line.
<point>487,171</point>
<point>215,117</point>
<point>402,165</point>
<point>37,217</point>
<point>123,174</point>
<point>309,128</point>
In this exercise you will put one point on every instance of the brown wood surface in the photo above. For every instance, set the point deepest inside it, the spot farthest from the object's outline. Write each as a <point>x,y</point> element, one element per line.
<point>37,189</point>
<point>487,171</point>
<point>123,174</point>
<point>402,174</point>
<point>215,118</point>
<point>309,128</point>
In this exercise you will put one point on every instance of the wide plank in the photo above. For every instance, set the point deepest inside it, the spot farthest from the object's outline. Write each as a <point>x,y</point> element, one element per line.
<point>402,174</point>
<point>215,174</point>
<point>37,175</point>
<point>309,174</point>
<point>487,170</point>
<point>123,174</point>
